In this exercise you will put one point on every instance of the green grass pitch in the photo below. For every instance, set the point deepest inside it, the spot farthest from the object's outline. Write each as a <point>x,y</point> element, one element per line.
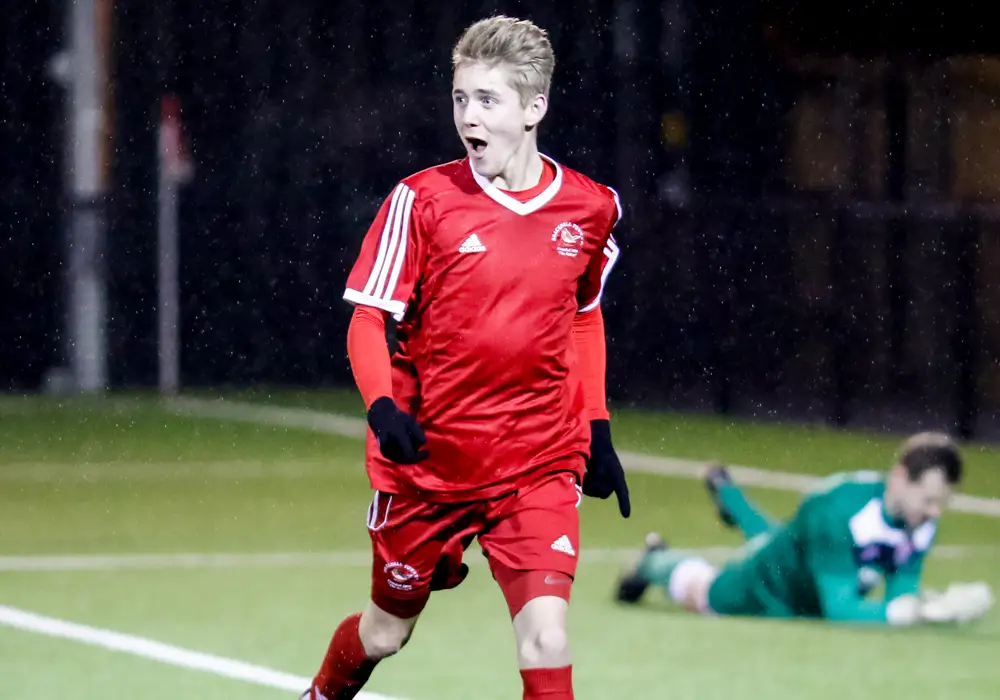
<point>107,480</point>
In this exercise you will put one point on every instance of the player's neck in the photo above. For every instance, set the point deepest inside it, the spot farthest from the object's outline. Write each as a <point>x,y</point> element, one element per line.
<point>524,170</point>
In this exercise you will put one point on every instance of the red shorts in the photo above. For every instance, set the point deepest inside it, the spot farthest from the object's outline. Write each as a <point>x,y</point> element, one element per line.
<point>530,538</point>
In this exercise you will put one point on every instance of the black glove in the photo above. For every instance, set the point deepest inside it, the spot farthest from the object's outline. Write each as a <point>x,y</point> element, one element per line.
<point>605,475</point>
<point>399,437</point>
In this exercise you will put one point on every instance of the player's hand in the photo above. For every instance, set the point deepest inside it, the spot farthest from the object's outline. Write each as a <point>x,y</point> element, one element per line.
<point>399,436</point>
<point>605,475</point>
<point>904,610</point>
<point>961,602</point>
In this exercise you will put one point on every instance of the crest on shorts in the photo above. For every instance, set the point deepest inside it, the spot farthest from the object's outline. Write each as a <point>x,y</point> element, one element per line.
<point>401,576</point>
<point>568,239</point>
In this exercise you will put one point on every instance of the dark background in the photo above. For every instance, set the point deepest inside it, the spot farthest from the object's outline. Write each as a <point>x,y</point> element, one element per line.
<point>809,228</point>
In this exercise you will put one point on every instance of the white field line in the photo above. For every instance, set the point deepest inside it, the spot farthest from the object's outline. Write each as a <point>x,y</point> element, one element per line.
<point>259,414</point>
<point>224,470</point>
<point>347,426</point>
<point>158,651</point>
<point>359,559</point>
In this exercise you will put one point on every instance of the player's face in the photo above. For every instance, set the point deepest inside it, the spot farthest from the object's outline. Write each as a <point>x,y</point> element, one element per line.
<point>921,500</point>
<point>492,121</point>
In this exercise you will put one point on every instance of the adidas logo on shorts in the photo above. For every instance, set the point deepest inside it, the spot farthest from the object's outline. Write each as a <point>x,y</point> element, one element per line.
<point>564,545</point>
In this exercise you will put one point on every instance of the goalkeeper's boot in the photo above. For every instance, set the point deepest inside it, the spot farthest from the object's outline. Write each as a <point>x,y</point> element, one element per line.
<point>631,585</point>
<point>717,477</point>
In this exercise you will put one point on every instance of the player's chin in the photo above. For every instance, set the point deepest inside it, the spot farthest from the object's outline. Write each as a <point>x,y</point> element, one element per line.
<point>483,165</point>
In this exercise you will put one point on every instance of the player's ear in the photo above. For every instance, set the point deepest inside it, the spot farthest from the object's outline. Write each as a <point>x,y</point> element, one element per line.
<point>535,111</point>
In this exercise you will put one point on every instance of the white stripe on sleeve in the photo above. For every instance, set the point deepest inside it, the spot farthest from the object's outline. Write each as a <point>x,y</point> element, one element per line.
<point>611,253</point>
<point>404,235</point>
<point>384,258</point>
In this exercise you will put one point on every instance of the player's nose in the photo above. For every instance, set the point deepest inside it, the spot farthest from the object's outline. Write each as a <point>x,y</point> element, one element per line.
<point>470,116</point>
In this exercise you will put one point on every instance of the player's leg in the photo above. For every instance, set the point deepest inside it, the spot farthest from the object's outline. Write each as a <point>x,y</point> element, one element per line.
<point>632,584</point>
<point>358,644</point>
<point>538,602</point>
<point>735,509</point>
<point>684,576</point>
<point>417,548</point>
<point>532,541</point>
<point>540,636</point>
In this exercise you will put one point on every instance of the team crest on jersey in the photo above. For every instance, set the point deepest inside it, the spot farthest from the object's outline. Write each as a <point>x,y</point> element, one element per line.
<point>568,238</point>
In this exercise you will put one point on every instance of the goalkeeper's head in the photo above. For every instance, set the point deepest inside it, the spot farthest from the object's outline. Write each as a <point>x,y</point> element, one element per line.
<point>919,486</point>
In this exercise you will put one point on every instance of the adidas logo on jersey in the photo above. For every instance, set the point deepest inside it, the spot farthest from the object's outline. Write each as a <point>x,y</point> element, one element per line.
<point>564,545</point>
<point>472,245</point>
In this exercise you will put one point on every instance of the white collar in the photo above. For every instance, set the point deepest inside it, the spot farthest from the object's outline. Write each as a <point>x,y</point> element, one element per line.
<point>517,206</point>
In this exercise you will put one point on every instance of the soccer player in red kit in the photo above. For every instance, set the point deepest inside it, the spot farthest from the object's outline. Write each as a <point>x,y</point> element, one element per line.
<point>489,422</point>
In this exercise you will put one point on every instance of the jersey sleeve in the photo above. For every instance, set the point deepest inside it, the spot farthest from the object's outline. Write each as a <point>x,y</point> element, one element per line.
<point>591,286</point>
<point>830,558</point>
<point>388,266</point>
<point>588,339</point>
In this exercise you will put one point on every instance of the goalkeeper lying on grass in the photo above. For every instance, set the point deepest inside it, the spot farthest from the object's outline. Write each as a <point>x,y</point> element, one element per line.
<point>855,530</point>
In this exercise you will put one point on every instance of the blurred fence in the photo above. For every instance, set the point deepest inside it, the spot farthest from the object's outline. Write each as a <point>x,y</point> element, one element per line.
<point>812,309</point>
<point>744,285</point>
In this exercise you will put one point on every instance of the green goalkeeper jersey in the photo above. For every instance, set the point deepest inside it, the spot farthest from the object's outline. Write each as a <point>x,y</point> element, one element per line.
<point>822,561</point>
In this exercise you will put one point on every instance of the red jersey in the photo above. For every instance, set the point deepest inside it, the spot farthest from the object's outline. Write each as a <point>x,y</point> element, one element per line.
<point>485,288</point>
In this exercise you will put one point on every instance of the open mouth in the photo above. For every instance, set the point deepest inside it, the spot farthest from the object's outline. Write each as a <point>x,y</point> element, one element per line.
<point>476,145</point>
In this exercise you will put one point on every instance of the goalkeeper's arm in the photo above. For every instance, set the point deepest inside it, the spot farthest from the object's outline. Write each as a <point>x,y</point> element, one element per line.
<point>840,601</point>
<point>961,602</point>
<point>908,604</point>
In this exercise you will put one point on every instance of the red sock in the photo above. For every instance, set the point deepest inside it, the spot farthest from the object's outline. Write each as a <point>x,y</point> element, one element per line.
<point>346,667</point>
<point>548,683</point>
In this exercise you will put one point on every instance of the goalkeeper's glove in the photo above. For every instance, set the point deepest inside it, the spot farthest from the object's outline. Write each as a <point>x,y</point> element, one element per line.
<point>961,602</point>
<point>399,436</point>
<point>605,474</point>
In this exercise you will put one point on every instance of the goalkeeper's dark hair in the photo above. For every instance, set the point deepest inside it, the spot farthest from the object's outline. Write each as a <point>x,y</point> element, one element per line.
<point>931,450</point>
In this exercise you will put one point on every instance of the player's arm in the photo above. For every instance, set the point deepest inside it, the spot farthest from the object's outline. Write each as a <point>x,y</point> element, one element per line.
<point>903,605</point>
<point>960,602</point>
<point>604,474</point>
<point>379,284</point>
<point>602,261</point>
<point>906,579</point>
<point>591,354</point>
<point>841,601</point>
<point>368,353</point>
<point>389,263</point>
<point>830,557</point>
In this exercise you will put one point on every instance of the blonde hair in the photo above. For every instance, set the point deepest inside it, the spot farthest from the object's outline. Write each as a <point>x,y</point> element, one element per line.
<point>519,44</point>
